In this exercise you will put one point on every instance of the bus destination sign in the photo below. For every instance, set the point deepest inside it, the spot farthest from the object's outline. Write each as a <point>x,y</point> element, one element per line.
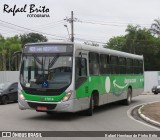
<point>47,49</point>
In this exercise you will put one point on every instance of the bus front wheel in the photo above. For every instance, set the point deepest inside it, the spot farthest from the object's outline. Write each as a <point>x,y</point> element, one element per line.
<point>89,112</point>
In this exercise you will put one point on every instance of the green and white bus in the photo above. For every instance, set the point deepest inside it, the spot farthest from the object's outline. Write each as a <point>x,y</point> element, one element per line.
<point>71,77</point>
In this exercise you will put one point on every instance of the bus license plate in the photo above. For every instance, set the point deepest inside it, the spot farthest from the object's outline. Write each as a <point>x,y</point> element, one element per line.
<point>42,108</point>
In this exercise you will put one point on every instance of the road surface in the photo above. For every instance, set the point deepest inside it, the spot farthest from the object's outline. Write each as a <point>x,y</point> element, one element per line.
<point>110,117</point>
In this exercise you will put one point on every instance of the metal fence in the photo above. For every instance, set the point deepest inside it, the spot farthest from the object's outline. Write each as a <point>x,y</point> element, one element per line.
<point>9,76</point>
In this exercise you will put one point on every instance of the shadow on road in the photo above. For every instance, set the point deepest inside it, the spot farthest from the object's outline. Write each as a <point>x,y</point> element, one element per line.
<point>56,116</point>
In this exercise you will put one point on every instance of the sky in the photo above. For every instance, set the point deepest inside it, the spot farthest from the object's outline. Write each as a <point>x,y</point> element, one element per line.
<point>96,20</point>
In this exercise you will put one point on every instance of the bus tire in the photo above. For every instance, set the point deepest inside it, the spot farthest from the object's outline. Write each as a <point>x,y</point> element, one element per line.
<point>89,112</point>
<point>128,100</point>
<point>155,93</point>
<point>4,100</point>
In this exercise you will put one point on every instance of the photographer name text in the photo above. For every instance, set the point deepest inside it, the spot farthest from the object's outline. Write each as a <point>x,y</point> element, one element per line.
<point>32,10</point>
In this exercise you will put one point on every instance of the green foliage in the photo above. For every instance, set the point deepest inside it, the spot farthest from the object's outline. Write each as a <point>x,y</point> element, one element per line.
<point>32,38</point>
<point>8,46</point>
<point>117,43</point>
<point>139,41</point>
<point>155,27</point>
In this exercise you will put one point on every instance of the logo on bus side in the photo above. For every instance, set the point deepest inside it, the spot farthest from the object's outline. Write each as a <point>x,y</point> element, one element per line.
<point>107,84</point>
<point>126,81</point>
<point>120,87</point>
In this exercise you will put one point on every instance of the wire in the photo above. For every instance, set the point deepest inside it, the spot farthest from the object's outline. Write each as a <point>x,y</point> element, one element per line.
<point>33,30</point>
<point>114,22</point>
<point>53,25</point>
<point>108,24</point>
<point>81,39</point>
<point>11,28</point>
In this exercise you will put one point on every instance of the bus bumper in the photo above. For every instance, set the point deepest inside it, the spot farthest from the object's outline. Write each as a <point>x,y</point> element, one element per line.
<point>61,106</point>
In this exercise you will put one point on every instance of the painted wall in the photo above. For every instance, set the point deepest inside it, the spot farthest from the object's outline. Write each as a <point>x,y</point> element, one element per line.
<point>151,78</point>
<point>9,76</point>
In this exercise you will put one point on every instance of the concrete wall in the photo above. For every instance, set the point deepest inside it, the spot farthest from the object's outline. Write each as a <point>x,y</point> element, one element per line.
<point>9,76</point>
<point>151,78</point>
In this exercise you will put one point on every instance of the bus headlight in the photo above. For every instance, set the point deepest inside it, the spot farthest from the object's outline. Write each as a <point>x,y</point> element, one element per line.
<point>67,96</point>
<point>21,96</point>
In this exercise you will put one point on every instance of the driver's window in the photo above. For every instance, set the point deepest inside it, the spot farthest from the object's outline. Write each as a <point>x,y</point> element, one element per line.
<point>81,67</point>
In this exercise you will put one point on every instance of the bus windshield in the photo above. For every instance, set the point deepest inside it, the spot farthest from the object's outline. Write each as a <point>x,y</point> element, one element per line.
<point>42,71</point>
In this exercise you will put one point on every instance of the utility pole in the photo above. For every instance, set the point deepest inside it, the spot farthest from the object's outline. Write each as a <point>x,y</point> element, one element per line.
<point>71,21</point>
<point>72,27</point>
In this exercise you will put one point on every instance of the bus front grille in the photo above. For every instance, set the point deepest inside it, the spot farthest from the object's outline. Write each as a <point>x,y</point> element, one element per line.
<point>43,93</point>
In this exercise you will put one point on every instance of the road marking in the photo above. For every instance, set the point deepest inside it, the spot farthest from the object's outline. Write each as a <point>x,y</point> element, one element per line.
<point>130,116</point>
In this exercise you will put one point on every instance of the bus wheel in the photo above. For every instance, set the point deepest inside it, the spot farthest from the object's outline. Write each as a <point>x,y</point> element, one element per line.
<point>89,112</point>
<point>4,100</point>
<point>155,93</point>
<point>129,97</point>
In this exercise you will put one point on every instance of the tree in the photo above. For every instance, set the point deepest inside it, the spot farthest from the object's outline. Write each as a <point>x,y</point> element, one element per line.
<point>12,45</point>
<point>3,53</point>
<point>7,48</point>
<point>117,43</point>
<point>141,42</point>
<point>32,38</point>
<point>131,37</point>
<point>155,27</point>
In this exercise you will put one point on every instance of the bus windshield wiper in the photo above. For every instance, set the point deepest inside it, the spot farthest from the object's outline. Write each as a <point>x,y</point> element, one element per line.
<point>37,59</point>
<point>53,61</point>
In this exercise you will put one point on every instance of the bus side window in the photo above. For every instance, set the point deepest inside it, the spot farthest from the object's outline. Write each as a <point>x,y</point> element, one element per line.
<point>141,66</point>
<point>93,63</point>
<point>114,65</point>
<point>80,67</point>
<point>104,64</point>
<point>136,66</point>
<point>122,65</point>
<point>130,68</point>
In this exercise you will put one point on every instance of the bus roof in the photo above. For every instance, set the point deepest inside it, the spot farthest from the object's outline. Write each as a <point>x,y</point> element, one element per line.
<point>49,43</point>
<point>103,50</point>
<point>99,49</point>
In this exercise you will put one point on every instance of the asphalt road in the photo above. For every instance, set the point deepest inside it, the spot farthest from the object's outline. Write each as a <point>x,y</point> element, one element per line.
<point>110,117</point>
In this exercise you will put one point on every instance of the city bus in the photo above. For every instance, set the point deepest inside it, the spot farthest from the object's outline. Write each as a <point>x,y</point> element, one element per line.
<point>72,77</point>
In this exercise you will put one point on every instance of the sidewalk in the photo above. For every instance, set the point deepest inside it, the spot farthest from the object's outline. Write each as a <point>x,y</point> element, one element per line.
<point>151,113</point>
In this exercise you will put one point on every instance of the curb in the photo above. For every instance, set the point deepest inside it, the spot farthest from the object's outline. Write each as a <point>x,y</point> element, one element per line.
<point>129,112</point>
<point>147,93</point>
<point>146,118</point>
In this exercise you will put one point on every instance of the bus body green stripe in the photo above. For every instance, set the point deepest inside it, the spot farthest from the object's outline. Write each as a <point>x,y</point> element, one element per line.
<point>102,84</point>
<point>110,84</point>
